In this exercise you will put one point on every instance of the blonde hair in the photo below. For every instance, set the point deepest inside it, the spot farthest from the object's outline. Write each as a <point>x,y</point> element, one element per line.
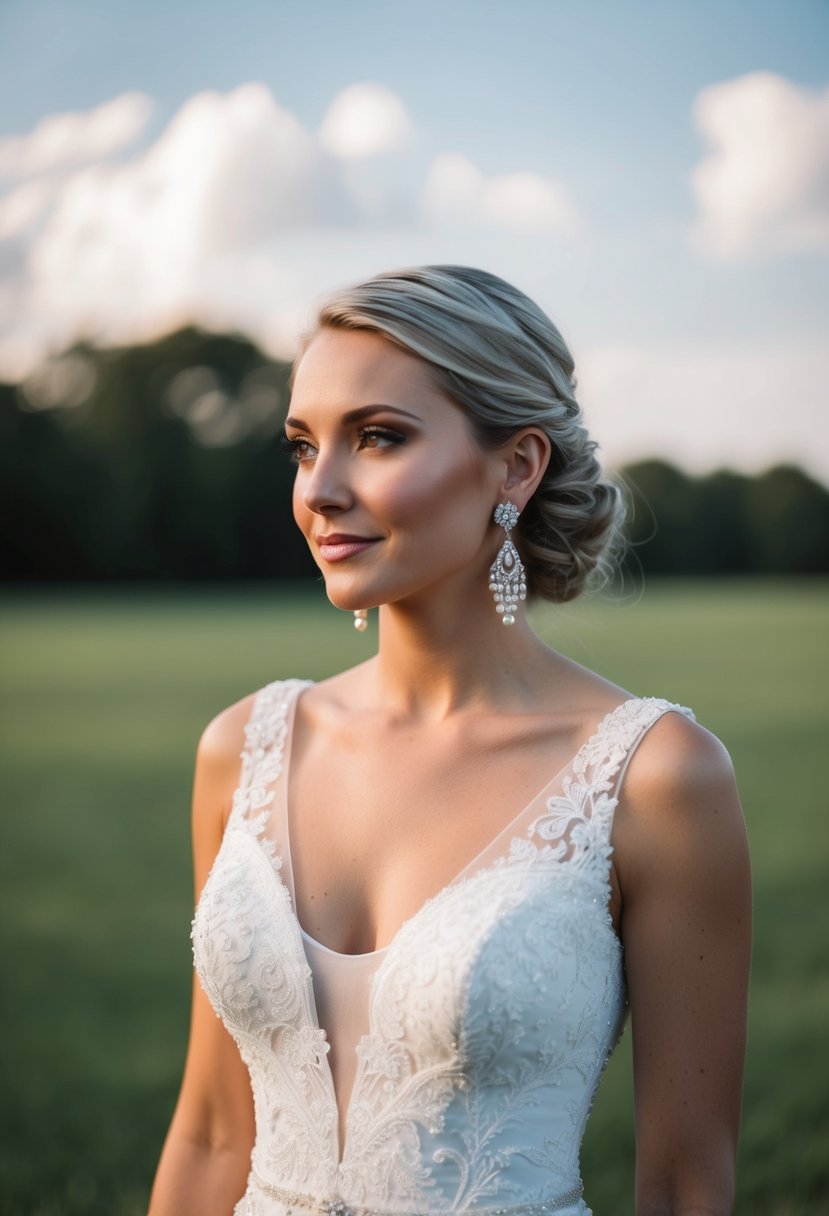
<point>505,364</point>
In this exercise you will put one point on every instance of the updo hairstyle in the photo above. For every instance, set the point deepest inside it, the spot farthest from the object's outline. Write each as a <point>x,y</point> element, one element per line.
<point>505,364</point>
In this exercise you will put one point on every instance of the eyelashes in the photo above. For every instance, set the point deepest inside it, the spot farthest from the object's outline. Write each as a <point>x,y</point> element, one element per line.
<point>371,438</point>
<point>375,438</point>
<point>293,448</point>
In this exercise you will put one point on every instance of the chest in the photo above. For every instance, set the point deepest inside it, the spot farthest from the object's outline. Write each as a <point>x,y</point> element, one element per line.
<point>379,819</point>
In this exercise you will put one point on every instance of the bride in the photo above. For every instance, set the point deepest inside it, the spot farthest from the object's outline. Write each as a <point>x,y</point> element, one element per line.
<point>437,881</point>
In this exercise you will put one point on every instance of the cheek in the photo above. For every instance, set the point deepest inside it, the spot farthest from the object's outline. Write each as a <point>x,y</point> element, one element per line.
<point>432,489</point>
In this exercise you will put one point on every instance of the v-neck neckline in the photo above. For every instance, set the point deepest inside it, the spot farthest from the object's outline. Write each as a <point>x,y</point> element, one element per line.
<point>287,856</point>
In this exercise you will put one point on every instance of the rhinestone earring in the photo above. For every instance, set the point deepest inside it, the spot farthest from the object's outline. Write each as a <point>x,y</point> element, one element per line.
<point>507,577</point>
<point>361,619</point>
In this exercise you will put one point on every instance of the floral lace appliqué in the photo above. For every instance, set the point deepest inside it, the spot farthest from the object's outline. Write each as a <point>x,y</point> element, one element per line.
<point>491,1015</point>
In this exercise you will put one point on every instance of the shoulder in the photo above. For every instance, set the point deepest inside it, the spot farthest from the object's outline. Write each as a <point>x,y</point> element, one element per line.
<point>225,737</point>
<point>216,777</point>
<point>679,808</point>
<point>218,765</point>
<point>677,759</point>
<point>222,740</point>
<point>218,771</point>
<point>219,754</point>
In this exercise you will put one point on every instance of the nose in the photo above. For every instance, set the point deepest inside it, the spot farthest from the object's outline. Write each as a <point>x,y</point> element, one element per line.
<point>326,490</point>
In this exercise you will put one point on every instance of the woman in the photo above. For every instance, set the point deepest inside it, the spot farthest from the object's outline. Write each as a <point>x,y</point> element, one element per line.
<point>417,929</point>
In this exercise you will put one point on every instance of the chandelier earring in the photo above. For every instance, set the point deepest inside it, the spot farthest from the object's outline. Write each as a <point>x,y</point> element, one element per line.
<point>507,576</point>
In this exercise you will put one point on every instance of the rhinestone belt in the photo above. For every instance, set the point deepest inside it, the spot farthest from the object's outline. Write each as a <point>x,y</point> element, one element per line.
<point>337,1207</point>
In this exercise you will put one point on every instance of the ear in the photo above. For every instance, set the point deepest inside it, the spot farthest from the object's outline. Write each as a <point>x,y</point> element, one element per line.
<point>527,455</point>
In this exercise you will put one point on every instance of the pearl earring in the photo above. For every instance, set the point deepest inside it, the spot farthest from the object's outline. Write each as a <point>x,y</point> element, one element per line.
<point>361,619</point>
<point>507,577</point>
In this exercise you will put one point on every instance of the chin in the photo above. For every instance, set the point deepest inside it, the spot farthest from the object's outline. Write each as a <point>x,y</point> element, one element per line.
<point>348,601</point>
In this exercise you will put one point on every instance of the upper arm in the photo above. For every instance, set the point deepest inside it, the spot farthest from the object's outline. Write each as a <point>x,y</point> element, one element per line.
<point>215,1105</point>
<point>682,862</point>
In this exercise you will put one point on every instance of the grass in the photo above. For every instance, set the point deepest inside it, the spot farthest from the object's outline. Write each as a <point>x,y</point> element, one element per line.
<point>105,694</point>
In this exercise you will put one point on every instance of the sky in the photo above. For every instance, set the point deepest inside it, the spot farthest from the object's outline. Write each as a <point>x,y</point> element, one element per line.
<point>654,174</point>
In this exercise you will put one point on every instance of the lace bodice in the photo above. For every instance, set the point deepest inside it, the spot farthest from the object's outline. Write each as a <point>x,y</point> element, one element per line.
<point>470,1048</point>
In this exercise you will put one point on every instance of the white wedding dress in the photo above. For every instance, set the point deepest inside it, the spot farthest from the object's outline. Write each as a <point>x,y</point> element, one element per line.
<point>464,1056</point>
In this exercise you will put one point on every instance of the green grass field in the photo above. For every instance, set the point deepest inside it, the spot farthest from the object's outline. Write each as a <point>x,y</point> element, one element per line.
<point>104,696</point>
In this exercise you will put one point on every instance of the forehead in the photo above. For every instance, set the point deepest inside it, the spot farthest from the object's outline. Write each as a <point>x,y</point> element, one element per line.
<point>356,367</point>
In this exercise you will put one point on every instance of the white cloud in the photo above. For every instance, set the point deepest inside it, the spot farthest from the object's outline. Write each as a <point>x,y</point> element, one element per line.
<point>764,187</point>
<point>62,140</point>
<point>753,406</point>
<point>179,232</point>
<point>453,186</point>
<point>456,192</point>
<point>364,120</point>
<point>530,202</point>
<point>21,209</point>
<point>221,220</point>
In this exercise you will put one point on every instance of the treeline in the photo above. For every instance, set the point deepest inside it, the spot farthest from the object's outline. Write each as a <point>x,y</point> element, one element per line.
<point>726,523</point>
<point>160,462</point>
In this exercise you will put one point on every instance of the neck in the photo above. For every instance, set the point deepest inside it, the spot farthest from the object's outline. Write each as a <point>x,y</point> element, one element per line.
<point>435,659</point>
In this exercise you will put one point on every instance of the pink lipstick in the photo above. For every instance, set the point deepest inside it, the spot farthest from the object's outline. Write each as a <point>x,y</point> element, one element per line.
<point>338,546</point>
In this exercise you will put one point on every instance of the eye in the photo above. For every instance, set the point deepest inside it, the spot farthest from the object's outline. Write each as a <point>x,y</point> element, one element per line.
<point>380,437</point>
<point>301,451</point>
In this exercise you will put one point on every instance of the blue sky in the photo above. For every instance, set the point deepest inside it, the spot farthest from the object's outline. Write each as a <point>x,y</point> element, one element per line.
<point>562,145</point>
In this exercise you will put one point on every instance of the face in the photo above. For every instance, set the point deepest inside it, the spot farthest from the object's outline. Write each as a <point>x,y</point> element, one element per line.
<point>392,492</point>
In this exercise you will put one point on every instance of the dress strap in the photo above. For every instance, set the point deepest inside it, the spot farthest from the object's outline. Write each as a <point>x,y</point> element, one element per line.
<point>263,754</point>
<point>575,827</point>
<point>602,761</point>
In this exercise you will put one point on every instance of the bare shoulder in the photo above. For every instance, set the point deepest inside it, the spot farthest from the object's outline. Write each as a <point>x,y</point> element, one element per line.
<point>223,738</point>
<point>677,759</point>
<point>679,800</point>
<point>218,764</point>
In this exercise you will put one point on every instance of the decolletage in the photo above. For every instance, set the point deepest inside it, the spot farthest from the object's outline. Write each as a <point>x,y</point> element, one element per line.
<point>279,828</point>
<point>464,1055</point>
<point>341,981</point>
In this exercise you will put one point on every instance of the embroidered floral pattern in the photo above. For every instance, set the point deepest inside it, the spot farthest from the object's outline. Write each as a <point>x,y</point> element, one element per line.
<point>491,1015</point>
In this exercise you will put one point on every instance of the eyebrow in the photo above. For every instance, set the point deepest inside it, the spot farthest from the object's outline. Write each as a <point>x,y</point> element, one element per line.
<point>364,411</point>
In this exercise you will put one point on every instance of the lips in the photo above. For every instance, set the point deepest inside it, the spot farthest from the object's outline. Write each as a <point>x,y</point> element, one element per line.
<point>338,546</point>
